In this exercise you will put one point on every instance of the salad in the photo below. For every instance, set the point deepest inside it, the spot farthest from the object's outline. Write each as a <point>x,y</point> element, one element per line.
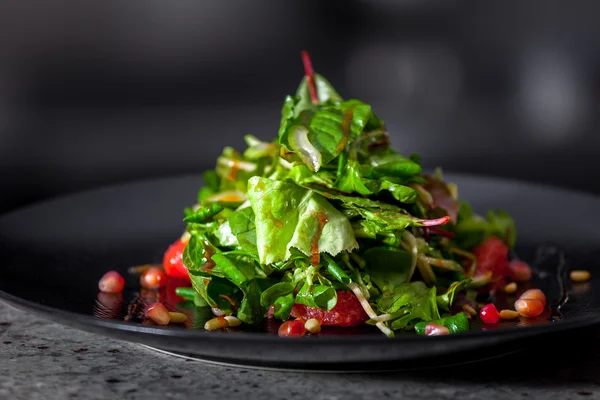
<point>328,225</point>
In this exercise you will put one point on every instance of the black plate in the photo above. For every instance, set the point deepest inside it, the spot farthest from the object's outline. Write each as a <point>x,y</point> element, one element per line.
<point>53,254</point>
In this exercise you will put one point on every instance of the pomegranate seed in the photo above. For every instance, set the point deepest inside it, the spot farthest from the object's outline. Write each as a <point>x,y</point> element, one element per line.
<point>153,278</point>
<point>158,313</point>
<point>292,328</point>
<point>529,308</point>
<point>111,282</point>
<point>432,329</point>
<point>534,294</point>
<point>489,314</point>
<point>519,271</point>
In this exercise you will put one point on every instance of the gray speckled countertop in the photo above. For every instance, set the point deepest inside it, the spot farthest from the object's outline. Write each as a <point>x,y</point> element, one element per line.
<point>43,360</point>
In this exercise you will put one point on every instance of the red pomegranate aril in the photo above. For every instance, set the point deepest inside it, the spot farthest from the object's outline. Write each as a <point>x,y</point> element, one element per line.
<point>489,314</point>
<point>154,278</point>
<point>534,294</point>
<point>158,313</point>
<point>519,271</point>
<point>529,308</point>
<point>293,328</point>
<point>111,282</point>
<point>432,329</point>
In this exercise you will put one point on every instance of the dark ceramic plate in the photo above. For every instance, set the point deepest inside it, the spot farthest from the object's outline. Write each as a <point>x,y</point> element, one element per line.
<point>53,254</point>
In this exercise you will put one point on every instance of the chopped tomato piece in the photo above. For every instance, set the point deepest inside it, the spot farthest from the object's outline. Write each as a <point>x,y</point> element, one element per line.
<point>347,312</point>
<point>173,260</point>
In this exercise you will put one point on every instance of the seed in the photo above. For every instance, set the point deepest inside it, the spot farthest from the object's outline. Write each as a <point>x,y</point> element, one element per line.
<point>233,321</point>
<point>177,317</point>
<point>529,307</point>
<point>139,269</point>
<point>185,237</point>
<point>153,278</point>
<point>580,276</point>
<point>313,325</point>
<point>158,313</point>
<point>432,329</point>
<point>511,287</point>
<point>216,323</point>
<point>508,314</point>
<point>534,294</point>
<point>111,282</point>
<point>469,310</point>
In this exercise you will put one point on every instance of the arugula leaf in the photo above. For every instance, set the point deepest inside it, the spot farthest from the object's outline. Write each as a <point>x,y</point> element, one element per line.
<point>214,289</point>
<point>388,268</point>
<point>198,252</point>
<point>204,213</point>
<point>393,164</point>
<point>455,324</point>
<point>287,215</point>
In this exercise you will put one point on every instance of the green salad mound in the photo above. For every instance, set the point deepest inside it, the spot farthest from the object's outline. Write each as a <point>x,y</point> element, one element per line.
<point>328,205</point>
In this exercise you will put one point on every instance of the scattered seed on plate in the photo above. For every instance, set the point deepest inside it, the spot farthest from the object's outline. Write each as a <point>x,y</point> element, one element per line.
<point>216,323</point>
<point>158,313</point>
<point>139,269</point>
<point>511,287</point>
<point>580,276</point>
<point>469,310</point>
<point>312,325</point>
<point>233,321</point>
<point>508,314</point>
<point>177,317</point>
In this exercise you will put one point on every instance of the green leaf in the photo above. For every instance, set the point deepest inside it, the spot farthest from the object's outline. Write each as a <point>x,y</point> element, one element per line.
<point>270,295</point>
<point>288,215</point>
<point>325,92</point>
<point>472,229</point>
<point>411,302</point>
<point>317,296</point>
<point>242,227</point>
<point>393,164</point>
<point>251,311</point>
<point>334,269</point>
<point>444,301</point>
<point>204,213</point>
<point>197,253</point>
<point>455,324</point>
<point>213,289</point>
<point>283,307</point>
<point>238,268</point>
<point>388,268</point>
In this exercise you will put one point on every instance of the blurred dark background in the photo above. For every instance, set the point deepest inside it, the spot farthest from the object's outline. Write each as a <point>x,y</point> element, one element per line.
<point>93,93</point>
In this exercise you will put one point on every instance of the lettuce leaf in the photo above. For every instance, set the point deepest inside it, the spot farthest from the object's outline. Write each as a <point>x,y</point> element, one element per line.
<point>287,216</point>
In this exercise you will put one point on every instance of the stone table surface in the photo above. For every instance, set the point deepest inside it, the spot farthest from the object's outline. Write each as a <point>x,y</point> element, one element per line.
<point>43,360</point>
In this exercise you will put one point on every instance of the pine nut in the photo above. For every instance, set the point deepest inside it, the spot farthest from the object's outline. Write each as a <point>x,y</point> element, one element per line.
<point>233,321</point>
<point>508,314</point>
<point>580,276</point>
<point>177,317</point>
<point>469,310</point>
<point>511,287</point>
<point>312,325</point>
<point>216,323</point>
